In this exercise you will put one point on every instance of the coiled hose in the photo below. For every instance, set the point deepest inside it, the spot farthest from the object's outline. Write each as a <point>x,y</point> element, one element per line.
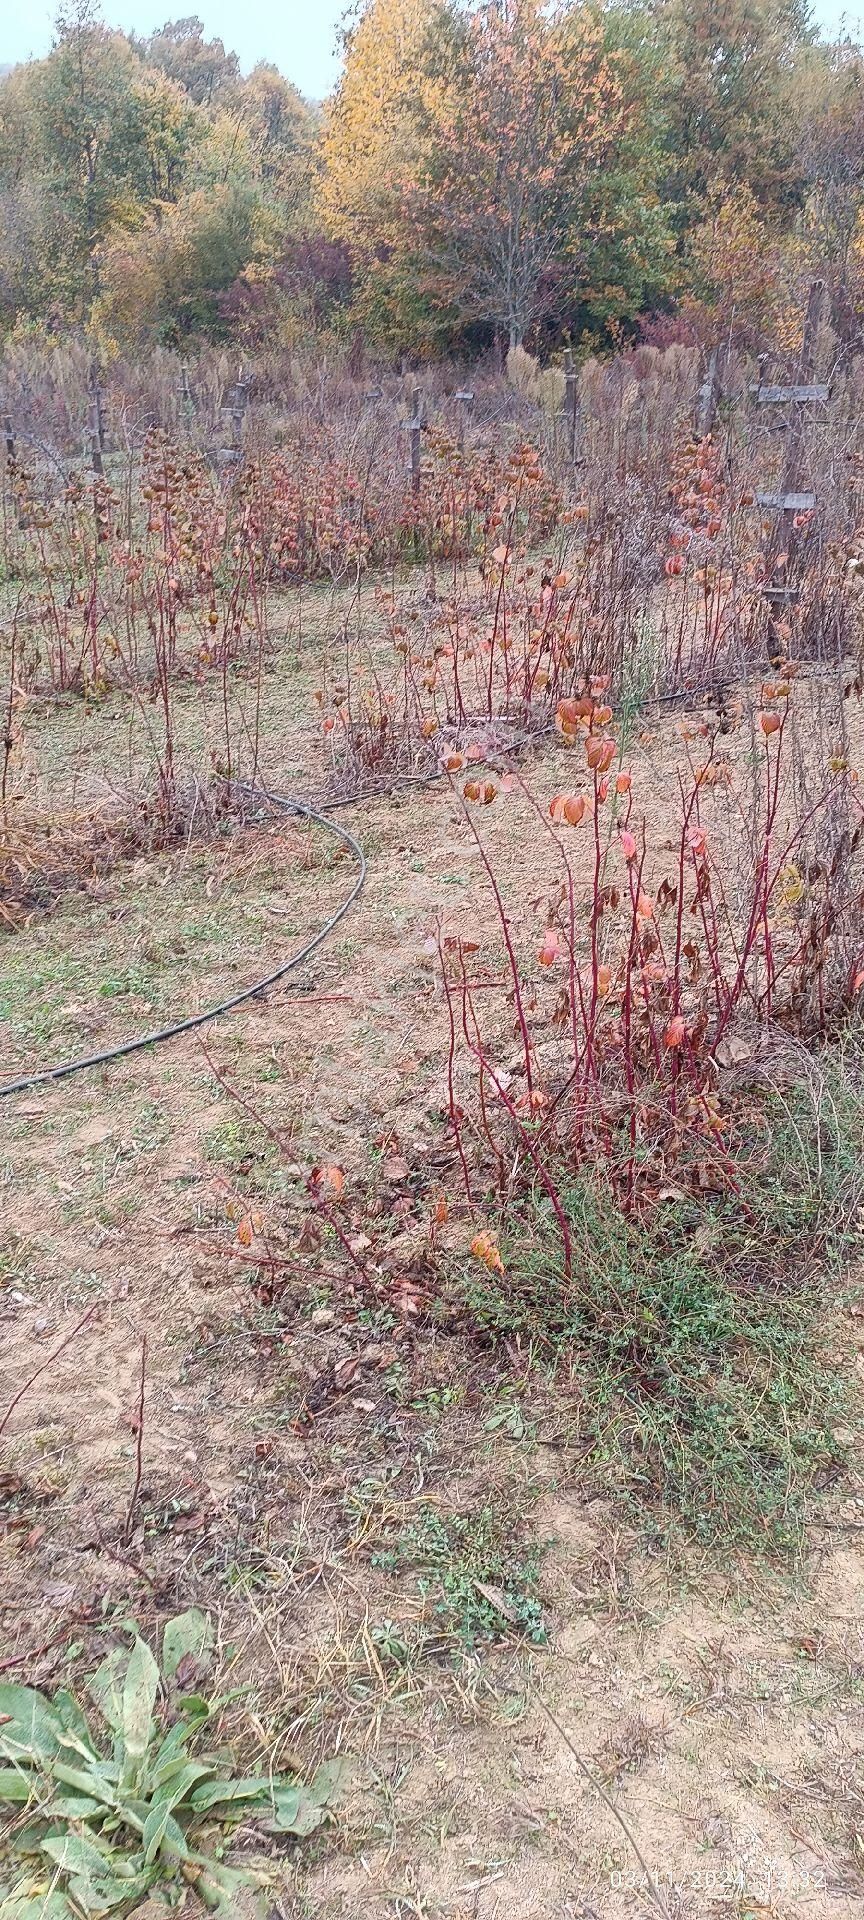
<point>288,804</point>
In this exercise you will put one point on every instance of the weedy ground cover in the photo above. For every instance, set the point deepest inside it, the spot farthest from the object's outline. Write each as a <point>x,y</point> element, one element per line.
<point>694,1334</point>
<point>99,1829</point>
<point>478,1320</point>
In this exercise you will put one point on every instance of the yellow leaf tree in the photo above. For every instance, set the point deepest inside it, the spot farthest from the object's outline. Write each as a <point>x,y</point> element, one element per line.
<point>374,142</point>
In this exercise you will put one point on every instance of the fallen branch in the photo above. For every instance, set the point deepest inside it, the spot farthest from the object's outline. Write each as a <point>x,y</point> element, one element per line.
<point>651,1883</point>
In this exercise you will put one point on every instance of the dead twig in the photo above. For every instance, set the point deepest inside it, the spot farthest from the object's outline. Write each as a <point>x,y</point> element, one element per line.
<point>101,1545</point>
<point>289,1161</point>
<point>35,1653</point>
<point>139,1451</point>
<point>48,1363</point>
<point>651,1883</point>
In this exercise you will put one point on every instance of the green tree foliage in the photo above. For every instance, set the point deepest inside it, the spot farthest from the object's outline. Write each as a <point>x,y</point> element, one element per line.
<point>281,130</point>
<point>485,169</point>
<point>139,179</point>
<point>87,137</point>
<point>830,150</point>
<point>490,170</point>
<point>166,281</point>
<point>532,114</point>
<point>201,67</point>
<point>725,71</point>
<point>374,147</point>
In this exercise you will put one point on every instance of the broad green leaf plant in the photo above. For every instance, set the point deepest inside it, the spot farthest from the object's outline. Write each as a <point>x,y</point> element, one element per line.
<point>93,1824</point>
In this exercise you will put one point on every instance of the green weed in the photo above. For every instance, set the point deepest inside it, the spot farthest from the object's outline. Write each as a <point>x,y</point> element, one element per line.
<point>100,1820</point>
<point>237,1145</point>
<point>468,1567</point>
<point>696,1333</point>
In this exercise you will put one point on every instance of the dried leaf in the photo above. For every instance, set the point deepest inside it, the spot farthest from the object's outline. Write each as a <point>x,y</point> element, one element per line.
<point>498,1600</point>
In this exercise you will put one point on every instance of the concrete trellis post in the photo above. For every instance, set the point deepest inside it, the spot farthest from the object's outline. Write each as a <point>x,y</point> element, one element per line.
<point>709,394</point>
<point>415,429</point>
<point>793,498</point>
<point>465,402</point>
<point>186,395</point>
<point>571,402</point>
<point>97,421</point>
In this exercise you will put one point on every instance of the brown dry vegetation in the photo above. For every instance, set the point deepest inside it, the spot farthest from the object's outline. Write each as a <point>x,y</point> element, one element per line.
<point>396,1502</point>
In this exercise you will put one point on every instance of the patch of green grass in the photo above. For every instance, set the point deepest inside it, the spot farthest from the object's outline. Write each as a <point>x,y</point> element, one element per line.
<point>238,1145</point>
<point>478,1578</point>
<point>134,979</point>
<point>119,1212</point>
<point>696,1334</point>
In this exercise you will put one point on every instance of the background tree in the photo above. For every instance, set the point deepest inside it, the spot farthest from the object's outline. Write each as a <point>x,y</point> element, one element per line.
<point>620,243</point>
<point>96,134</point>
<point>531,110</point>
<point>168,280</point>
<point>736,277</point>
<point>135,194</point>
<point>373,147</point>
<point>201,67</point>
<point>485,168</point>
<point>830,149</point>
<point>283,131</point>
<point>726,77</point>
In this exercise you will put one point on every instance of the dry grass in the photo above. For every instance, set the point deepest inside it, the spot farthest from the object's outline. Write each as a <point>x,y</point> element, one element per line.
<point>339,1462</point>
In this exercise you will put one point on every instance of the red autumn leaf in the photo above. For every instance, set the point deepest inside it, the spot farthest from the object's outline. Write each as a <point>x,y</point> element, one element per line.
<point>600,754</point>
<point>329,1180</point>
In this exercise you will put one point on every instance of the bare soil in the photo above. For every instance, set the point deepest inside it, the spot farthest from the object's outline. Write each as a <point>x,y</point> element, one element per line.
<point>297,1422</point>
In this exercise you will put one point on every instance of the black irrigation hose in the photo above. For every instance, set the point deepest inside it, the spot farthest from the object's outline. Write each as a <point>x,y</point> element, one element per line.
<point>288,805</point>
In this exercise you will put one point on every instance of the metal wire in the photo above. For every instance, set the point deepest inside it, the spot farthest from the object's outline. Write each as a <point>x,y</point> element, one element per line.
<point>45,1075</point>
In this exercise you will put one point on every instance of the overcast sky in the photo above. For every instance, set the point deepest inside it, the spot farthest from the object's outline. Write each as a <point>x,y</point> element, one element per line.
<point>298,36</point>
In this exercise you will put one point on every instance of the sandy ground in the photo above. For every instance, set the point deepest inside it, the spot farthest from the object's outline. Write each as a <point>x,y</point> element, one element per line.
<point>292,1422</point>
